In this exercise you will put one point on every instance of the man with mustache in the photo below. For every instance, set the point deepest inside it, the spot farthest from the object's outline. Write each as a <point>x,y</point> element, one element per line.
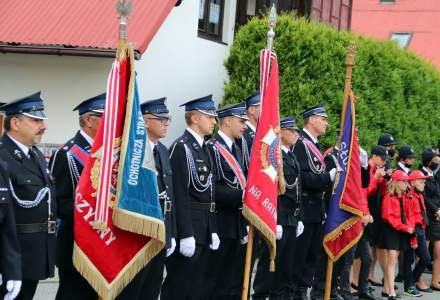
<point>32,188</point>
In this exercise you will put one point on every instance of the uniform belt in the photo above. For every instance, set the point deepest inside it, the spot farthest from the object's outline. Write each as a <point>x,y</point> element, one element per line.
<point>295,211</point>
<point>205,206</point>
<point>167,206</point>
<point>49,227</point>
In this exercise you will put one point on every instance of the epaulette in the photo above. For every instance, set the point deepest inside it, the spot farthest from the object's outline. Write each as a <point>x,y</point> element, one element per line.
<point>69,144</point>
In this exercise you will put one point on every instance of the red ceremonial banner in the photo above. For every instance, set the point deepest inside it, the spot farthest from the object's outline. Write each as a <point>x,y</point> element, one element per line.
<point>105,255</point>
<point>260,199</point>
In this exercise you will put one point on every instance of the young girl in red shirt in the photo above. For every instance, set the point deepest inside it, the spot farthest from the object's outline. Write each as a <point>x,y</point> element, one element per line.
<point>398,228</point>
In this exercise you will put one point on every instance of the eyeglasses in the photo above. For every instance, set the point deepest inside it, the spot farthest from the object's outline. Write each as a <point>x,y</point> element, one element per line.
<point>163,121</point>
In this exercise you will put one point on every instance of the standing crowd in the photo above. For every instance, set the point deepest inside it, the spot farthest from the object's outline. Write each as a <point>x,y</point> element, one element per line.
<point>201,180</point>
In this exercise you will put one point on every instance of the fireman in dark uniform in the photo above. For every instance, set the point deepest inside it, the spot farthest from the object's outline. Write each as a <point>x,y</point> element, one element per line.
<point>10,260</point>
<point>315,181</point>
<point>406,159</point>
<point>279,285</point>
<point>157,119</point>
<point>253,104</point>
<point>66,166</point>
<point>32,189</point>
<point>193,182</point>
<point>227,264</point>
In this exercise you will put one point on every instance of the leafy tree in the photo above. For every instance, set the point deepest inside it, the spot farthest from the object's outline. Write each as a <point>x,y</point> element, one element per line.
<point>398,92</point>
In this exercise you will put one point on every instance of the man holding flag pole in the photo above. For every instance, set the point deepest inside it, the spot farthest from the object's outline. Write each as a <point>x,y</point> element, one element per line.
<point>118,220</point>
<point>265,168</point>
<point>347,207</point>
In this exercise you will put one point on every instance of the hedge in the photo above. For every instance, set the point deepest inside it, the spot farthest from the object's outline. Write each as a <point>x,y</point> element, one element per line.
<point>398,92</point>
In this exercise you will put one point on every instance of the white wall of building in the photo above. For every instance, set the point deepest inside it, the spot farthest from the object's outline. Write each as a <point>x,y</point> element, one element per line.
<point>177,64</point>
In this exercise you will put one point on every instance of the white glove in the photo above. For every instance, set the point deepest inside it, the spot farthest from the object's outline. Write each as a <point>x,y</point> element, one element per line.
<point>279,233</point>
<point>363,157</point>
<point>299,228</point>
<point>171,249</point>
<point>332,174</point>
<point>188,246</point>
<point>215,241</point>
<point>13,287</point>
<point>245,239</point>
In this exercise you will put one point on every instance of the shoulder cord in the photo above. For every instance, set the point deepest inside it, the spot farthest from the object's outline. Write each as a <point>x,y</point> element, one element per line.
<point>245,150</point>
<point>32,203</point>
<point>233,184</point>
<point>310,161</point>
<point>197,184</point>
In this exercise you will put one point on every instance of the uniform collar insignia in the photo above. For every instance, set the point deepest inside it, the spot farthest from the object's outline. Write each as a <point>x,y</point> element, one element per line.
<point>18,154</point>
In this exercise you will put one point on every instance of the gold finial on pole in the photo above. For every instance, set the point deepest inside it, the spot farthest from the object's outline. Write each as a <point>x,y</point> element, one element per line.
<point>124,9</point>
<point>272,22</point>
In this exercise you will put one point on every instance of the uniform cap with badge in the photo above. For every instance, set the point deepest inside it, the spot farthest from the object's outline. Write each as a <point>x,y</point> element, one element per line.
<point>31,106</point>
<point>156,107</point>
<point>406,151</point>
<point>253,100</point>
<point>381,151</point>
<point>386,139</point>
<point>317,110</point>
<point>233,110</point>
<point>288,123</point>
<point>205,105</point>
<point>95,104</point>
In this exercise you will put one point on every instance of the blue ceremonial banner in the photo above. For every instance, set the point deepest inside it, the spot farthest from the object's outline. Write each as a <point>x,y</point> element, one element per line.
<point>137,200</point>
<point>343,227</point>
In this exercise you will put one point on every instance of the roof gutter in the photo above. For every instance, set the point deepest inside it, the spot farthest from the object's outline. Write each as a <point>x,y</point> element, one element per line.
<point>85,52</point>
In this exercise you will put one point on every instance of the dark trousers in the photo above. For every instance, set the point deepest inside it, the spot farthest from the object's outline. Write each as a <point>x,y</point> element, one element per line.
<point>278,284</point>
<point>345,263</point>
<point>308,254</point>
<point>186,276</point>
<point>363,251</point>
<point>411,277</point>
<point>152,277</point>
<point>73,286</point>
<point>226,270</point>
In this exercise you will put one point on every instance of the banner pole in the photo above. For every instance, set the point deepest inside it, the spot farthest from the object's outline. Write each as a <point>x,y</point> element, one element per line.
<point>247,266</point>
<point>328,279</point>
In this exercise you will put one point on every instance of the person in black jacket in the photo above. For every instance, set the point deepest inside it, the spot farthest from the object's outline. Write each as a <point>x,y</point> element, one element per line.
<point>253,104</point>
<point>279,285</point>
<point>157,119</point>
<point>431,161</point>
<point>227,264</point>
<point>316,179</point>
<point>32,189</point>
<point>194,193</point>
<point>10,260</point>
<point>66,166</point>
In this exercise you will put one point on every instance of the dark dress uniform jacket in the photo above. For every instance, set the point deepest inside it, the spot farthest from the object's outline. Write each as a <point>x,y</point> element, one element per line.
<point>231,223</point>
<point>165,187</point>
<point>432,196</point>
<point>245,145</point>
<point>65,183</point>
<point>193,216</point>
<point>10,259</point>
<point>290,204</point>
<point>315,180</point>
<point>28,176</point>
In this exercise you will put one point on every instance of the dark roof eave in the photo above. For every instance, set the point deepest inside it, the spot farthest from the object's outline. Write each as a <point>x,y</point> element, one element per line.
<point>60,50</point>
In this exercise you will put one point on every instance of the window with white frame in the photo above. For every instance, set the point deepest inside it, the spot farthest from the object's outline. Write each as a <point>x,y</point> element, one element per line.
<point>401,38</point>
<point>211,19</point>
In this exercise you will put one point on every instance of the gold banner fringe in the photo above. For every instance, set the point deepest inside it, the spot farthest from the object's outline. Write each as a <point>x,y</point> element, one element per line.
<point>266,232</point>
<point>106,290</point>
<point>140,224</point>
